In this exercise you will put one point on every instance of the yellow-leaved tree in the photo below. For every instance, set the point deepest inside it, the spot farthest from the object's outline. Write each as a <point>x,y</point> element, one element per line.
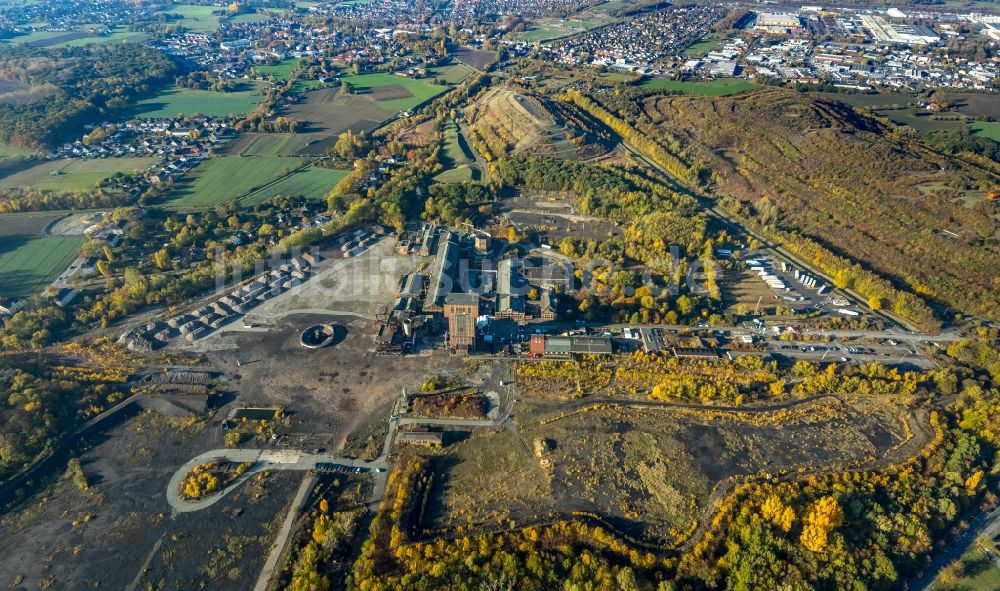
<point>778,513</point>
<point>822,517</point>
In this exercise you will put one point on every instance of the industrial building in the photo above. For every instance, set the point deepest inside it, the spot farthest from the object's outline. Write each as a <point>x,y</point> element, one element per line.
<point>695,353</point>
<point>510,290</point>
<point>884,31</point>
<point>442,273</point>
<point>543,345</point>
<point>424,438</point>
<point>461,310</point>
<point>777,22</point>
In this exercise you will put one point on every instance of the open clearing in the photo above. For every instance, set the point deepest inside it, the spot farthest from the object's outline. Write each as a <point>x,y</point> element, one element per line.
<point>14,92</point>
<point>974,104</point>
<point>326,113</point>
<point>455,150</point>
<point>312,183</point>
<point>922,121</point>
<point>475,58</point>
<point>459,174</point>
<point>717,87</point>
<point>28,223</point>
<point>173,101</point>
<point>73,175</point>
<point>452,73</point>
<point>981,570</point>
<point>223,178</point>
<point>281,70</point>
<point>84,35</point>
<point>8,151</point>
<point>552,28</point>
<point>28,262</point>
<point>271,144</point>
<point>987,129</point>
<point>649,471</point>
<point>396,93</point>
<point>887,100</point>
<point>703,46</point>
<point>456,158</point>
<point>197,19</point>
<point>62,538</point>
<point>9,85</point>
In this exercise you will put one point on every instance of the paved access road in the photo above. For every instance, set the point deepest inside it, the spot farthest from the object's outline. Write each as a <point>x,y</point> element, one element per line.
<point>262,459</point>
<point>986,524</point>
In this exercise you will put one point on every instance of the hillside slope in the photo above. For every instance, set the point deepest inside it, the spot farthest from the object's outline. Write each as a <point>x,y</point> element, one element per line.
<point>858,187</point>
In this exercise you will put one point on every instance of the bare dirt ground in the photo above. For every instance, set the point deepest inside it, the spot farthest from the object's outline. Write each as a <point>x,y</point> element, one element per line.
<point>395,91</point>
<point>73,225</point>
<point>648,472</point>
<point>25,224</point>
<point>974,104</point>
<point>328,393</point>
<point>326,113</point>
<point>475,58</point>
<point>63,538</point>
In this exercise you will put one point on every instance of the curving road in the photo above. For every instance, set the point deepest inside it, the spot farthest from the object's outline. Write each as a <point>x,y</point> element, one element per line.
<point>262,459</point>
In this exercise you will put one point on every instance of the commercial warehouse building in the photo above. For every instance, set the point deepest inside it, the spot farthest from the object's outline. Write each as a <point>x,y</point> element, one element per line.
<point>565,347</point>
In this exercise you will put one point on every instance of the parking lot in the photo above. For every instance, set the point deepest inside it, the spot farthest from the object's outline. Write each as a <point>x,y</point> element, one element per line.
<point>759,279</point>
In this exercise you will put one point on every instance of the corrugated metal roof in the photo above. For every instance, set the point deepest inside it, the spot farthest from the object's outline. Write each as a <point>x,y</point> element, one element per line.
<point>444,265</point>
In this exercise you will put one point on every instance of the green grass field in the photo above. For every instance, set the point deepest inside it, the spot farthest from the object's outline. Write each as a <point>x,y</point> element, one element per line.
<point>305,85</point>
<point>920,120</point>
<point>73,175</point>
<point>454,151</point>
<point>52,38</point>
<point>543,33</point>
<point>197,19</point>
<point>312,183</point>
<point>224,178</point>
<point>277,144</point>
<point>717,87</point>
<point>34,37</point>
<point>419,90</point>
<point>119,35</point>
<point>173,101</point>
<point>980,572</point>
<point>252,17</point>
<point>459,174</point>
<point>8,151</point>
<point>452,73</point>
<point>987,129</point>
<point>29,263</point>
<point>703,46</point>
<point>555,28</point>
<point>456,158</point>
<point>281,71</point>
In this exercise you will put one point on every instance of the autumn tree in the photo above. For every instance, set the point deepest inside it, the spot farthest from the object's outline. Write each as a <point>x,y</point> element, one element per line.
<point>821,518</point>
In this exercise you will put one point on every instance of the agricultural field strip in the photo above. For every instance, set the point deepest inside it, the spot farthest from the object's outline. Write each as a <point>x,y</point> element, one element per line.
<point>304,165</point>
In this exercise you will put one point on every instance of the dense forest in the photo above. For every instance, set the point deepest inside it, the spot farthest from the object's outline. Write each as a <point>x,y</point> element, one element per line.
<point>82,85</point>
